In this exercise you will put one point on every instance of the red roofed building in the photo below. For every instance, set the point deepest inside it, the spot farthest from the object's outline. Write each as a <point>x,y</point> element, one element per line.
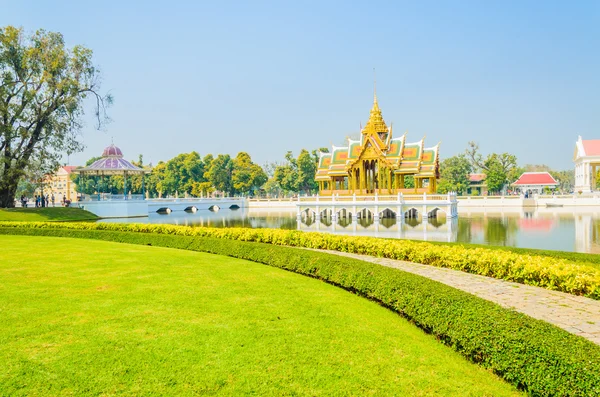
<point>586,158</point>
<point>535,182</point>
<point>477,184</point>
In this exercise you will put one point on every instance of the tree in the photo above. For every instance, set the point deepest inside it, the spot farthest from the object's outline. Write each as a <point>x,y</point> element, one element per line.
<point>42,88</point>
<point>182,171</point>
<point>246,176</point>
<point>272,187</point>
<point>36,175</point>
<point>566,179</point>
<point>220,173</point>
<point>286,175</point>
<point>134,182</point>
<point>307,169</point>
<point>298,174</point>
<point>454,172</point>
<point>202,189</point>
<point>536,168</point>
<point>409,182</point>
<point>181,174</point>
<point>496,167</point>
<point>155,180</point>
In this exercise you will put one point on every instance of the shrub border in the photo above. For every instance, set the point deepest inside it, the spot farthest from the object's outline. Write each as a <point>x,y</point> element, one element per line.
<point>533,355</point>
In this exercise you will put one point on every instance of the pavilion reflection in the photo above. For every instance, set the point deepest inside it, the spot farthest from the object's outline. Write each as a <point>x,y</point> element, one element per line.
<point>428,229</point>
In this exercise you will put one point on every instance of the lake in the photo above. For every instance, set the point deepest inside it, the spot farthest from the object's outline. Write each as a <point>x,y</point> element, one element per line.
<point>566,229</point>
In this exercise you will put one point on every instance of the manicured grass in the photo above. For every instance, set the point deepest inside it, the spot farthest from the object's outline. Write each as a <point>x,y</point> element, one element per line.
<point>46,214</point>
<point>90,317</point>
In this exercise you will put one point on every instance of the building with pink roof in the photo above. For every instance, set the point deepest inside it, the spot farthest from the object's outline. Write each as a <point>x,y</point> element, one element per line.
<point>535,182</point>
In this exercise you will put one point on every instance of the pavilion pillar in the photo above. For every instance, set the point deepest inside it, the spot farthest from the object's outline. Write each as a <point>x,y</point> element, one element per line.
<point>362,176</point>
<point>366,176</point>
<point>402,181</point>
<point>379,176</point>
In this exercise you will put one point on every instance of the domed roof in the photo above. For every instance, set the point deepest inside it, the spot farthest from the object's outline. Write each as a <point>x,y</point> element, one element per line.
<point>111,163</point>
<point>112,151</point>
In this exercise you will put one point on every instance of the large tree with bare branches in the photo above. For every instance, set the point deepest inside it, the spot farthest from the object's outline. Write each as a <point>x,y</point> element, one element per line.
<point>43,86</point>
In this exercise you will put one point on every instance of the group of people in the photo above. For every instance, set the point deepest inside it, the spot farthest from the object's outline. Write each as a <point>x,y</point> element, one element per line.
<point>43,201</point>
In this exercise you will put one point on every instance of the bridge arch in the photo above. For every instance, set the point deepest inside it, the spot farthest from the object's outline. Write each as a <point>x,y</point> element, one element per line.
<point>387,213</point>
<point>364,213</point>
<point>412,212</point>
<point>434,212</point>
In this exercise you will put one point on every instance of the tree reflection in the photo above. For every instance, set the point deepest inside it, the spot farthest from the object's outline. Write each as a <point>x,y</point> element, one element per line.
<point>501,231</point>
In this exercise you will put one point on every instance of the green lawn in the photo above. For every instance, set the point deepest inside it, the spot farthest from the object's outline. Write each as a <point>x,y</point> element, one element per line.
<point>91,317</point>
<point>45,214</point>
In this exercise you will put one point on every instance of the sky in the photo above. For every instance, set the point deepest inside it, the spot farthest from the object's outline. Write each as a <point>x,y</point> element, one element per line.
<point>269,77</point>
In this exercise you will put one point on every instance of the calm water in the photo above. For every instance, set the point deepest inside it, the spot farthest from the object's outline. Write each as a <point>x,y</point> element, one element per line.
<point>555,228</point>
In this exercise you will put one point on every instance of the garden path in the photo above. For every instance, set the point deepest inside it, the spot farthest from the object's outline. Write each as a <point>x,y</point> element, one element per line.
<point>575,314</point>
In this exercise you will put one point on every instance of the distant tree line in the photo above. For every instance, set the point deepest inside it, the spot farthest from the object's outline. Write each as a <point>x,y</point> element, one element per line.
<point>193,175</point>
<point>500,171</point>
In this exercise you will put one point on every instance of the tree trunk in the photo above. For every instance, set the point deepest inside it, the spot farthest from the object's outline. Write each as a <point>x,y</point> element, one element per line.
<point>8,186</point>
<point>8,189</point>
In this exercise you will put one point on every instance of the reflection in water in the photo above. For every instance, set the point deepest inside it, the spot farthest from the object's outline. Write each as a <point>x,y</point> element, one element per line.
<point>344,221</point>
<point>500,231</point>
<point>566,229</point>
<point>436,222</point>
<point>413,222</point>
<point>388,222</point>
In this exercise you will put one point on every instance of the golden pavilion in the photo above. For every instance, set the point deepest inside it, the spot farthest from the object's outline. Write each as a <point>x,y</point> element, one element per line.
<point>378,163</point>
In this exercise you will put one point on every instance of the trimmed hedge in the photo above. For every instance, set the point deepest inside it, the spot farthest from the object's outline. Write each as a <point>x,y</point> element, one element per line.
<point>580,257</point>
<point>536,356</point>
<point>551,273</point>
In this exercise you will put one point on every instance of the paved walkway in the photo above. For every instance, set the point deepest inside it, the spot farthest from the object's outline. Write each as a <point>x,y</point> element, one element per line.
<point>575,314</point>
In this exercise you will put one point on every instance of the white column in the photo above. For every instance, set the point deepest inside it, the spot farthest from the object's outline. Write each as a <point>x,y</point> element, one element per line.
<point>588,173</point>
<point>583,177</point>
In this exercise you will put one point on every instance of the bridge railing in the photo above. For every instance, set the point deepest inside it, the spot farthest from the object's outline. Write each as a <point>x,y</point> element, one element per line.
<point>195,199</point>
<point>110,197</point>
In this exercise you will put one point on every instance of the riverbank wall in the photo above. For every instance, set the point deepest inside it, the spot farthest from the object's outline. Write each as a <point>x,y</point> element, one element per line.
<point>549,201</point>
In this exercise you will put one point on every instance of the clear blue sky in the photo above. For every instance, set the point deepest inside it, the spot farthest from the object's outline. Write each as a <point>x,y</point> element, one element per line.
<point>267,77</point>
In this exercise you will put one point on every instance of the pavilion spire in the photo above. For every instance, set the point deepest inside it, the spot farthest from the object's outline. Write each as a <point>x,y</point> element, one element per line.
<point>375,124</point>
<point>375,104</point>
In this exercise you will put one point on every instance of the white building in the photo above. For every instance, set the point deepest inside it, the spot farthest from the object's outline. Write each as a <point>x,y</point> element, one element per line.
<point>586,158</point>
<point>535,182</point>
